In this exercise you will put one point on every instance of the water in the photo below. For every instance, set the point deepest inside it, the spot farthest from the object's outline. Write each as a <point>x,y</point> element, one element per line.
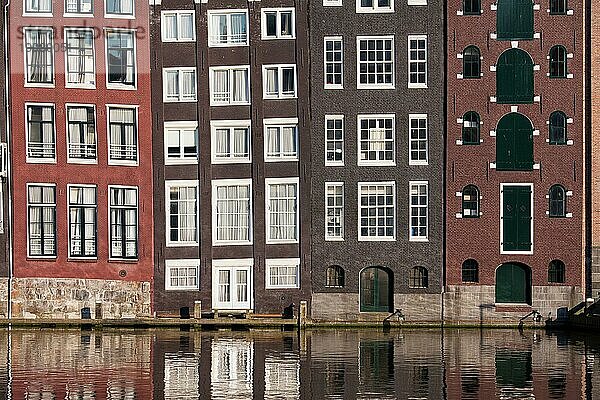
<point>328,364</point>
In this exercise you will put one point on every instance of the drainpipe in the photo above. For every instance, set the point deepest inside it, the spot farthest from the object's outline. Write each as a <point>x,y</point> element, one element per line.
<point>8,156</point>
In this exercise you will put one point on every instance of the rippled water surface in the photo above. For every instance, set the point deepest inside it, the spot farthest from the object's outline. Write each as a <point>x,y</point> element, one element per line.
<point>343,364</point>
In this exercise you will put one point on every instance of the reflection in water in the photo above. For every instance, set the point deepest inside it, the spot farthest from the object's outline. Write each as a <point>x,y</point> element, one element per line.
<point>282,376</point>
<point>231,368</point>
<point>514,374</point>
<point>376,368</point>
<point>181,376</point>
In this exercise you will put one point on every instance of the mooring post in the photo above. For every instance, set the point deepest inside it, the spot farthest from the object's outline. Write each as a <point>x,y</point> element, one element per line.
<point>198,309</point>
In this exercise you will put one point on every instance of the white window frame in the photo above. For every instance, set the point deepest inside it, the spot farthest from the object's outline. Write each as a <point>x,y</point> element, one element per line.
<point>182,263</point>
<point>279,11</point>
<point>230,124</point>
<point>332,3</point>
<point>68,141</point>
<point>375,8</point>
<point>55,205</point>
<point>78,14</point>
<point>502,251</point>
<point>137,135</point>
<point>246,264</point>
<point>280,94</point>
<point>181,183</point>
<point>179,126</point>
<point>334,117</point>
<point>325,62</point>
<point>327,207</point>
<point>361,117</point>
<point>216,183</point>
<point>281,262</point>
<point>180,98</point>
<point>418,37</point>
<point>137,221</point>
<point>280,123</point>
<point>45,14</point>
<point>79,85</point>
<point>119,86</point>
<point>417,2</point>
<point>178,14</point>
<point>412,117</point>
<point>227,13</point>
<point>40,160</point>
<point>25,58</point>
<point>377,238</point>
<point>96,234</point>
<point>120,16</point>
<point>229,69</point>
<point>375,85</point>
<point>276,181</point>
<point>410,209</point>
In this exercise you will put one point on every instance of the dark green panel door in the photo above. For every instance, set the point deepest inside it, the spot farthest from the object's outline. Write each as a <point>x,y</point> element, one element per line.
<point>514,20</point>
<point>514,143</point>
<point>513,284</point>
<point>516,218</point>
<point>375,290</point>
<point>514,77</point>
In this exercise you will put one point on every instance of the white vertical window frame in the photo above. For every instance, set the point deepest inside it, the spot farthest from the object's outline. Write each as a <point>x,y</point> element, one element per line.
<point>183,197</point>
<point>374,6</point>
<point>280,81</point>
<point>282,210</point>
<point>376,139</point>
<point>39,57</point>
<point>37,8</point>
<point>278,23</point>
<point>123,211</point>
<point>333,51</point>
<point>179,84</point>
<point>122,132</point>
<point>377,211</point>
<point>232,214</point>
<point>334,211</point>
<point>80,58</point>
<point>419,211</point>
<point>182,274</point>
<point>178,26</point>
<point>229,85</point>
<point>418,138</point>
<point>281,139</point>
<point>234,32</point>
<point>181,142</point>
<point>41,220</point>
<point>79,8</point>
<point>282,273</point>
<point>231,141</point>
<point>334,140</point>
<point>124,9</point>
<point>332,3</point>
<point>417,61</point>
<point>40,125</point>
<point>121,43</point>
<point>375,62</point>
<point>83,220</point>
<point>82,139</point>
<point>233,289</point>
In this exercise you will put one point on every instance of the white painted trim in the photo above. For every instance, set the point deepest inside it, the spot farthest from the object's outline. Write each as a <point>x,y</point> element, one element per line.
<point>29,255</point>
<point>137,223</point>
<point>80,160</point>
<point>190,263</point>
<point>179,125</point>
<point>279,95</point>
<point>215,184</point>
<point>66,31</point>
<point>227,12</point>
<point>410,118</point>
<point>280,122</point>
<point>374,9</point>
<point>25,74</point>
<point>119,86</point>
<point>418,37</point>
<point>137,135</point>
<point>360,117</point>
<point>179,183</point>
<point>179,70</point>
<point>329,117</point>
<point>325,40</point>
<point>121,16</point>
<point>275,181</point>
<point>68,220</point>
<point>336,238</point>
<point>271,262</point>
<point>245,264</point>
<point>40,160</point>
<point>375,86</point>
<point>263,23</point>
<point>230,124</point>
<point>410,237</point>
<point>178,14</point>
<point>383,238</point>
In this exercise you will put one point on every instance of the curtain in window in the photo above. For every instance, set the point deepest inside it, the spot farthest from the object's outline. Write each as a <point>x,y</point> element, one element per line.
<point>39,49</point>
<point>221,86</point>
<point>224,286</point>
<point>242,285</point>
<point>238,28</point>
<point>272,83</point>
<point>218,28</point>
<point>41,131</point>
<point>222,142</point>
<point>39,6</point>
<point>172,84</point>
<point>286,24</point>
<point>273,142</point>
<point>187,26</point>
<point>119,6</point>
<point>131,232</point>
<point>240,142</point>
<point>377,139</point>
<point>282,210</point>
<point>288,81</point>
<point>81,132</point>
<point>233,213</point>
<point>170,26</point>
<point>122,134</point>
<point>240,85</point>
<point>188,85</point>
<point>80,58</point>
<point>187,214</point>
<point>288,141</point>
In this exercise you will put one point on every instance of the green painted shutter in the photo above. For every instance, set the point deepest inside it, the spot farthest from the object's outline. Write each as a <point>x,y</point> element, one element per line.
<point>514,143</point>
<point>514,20</point>
<point>524,218</point>
<point>511,284</point>
<point>509,219</point>
<point>503,284</point>
<point>514,77</point>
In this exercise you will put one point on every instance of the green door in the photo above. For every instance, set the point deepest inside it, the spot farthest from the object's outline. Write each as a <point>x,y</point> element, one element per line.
<point>516,218</point>
<point>513,284</point>
<point>375,290</point>
<point>514,77</point>
<point>514,143</point>
<point>514,20</point>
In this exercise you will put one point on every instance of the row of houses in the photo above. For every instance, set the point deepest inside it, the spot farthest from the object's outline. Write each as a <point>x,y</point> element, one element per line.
<point>177,157</point>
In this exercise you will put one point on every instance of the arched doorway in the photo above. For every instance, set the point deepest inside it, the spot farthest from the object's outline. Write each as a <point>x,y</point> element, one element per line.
<point>514,143</point>
<point>513,283</point>
<point>514,20</point>
<point>376,292</point>
<point>514,77</point>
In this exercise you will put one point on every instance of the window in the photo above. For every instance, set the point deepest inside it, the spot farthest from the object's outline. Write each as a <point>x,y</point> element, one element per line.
<point>471,7</point>
<point>558,62</point>
<point>178,26</point>
<point>418,210</point>
<point>374,6</point>
<point>417,2</point>
<point>335,276</point>
<point>41,139</point>
<point>229,85</point>
<point>80,63</point>
<point>227,28</point>
<point>282,273</point>
<point>182,274</point>
<point>418,278</point>
<point>471,63</point>
<point>331,3</point>
<point>39,55</point>
<point>279,81</point>
<point>557,201</point>
<point>417,61</point>
<point>122,131</point>
<point>471,128</point>
<point>558,7</point>
<point>556,271</point>
<point>418,139</point>
<point>470,271</point>
<point>232,211</point>
<point>558,128</point>
<point>376,136</point>
<point>123,222</point>
<point>377,211</point>
<point>182,211</point>
<point>81,133</point>
<point>179,84</point>
<point>470,202</point>
<point>334,211</point>
<point>282,210</point>
<point>119,8</point>
<point>41,211</point>
<point>120,59</point>
<point>281,139</point>
<point>82,221</point>
<point>38,7</point>
<point>334,140</point>
<point>334,62</point>
<point>375,62</point>
<point>230,141</point>
<point>278,23</point>
<point>79,7</point>
<point>181,142</point>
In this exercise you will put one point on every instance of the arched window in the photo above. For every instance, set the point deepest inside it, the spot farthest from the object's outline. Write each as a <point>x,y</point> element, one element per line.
<point>470,202</point>
<point>514,19</point>
<point>471,62</point>
<point>470,271</point>
<point>558,128</point>
<point>558,62</point>
<point>558,7</point>
<point>471,7</point>
<point>557,201</point>
<point>514,143</point>
<point>418,278</point>
<point>514,77</point>
<point>335,276</point>
<point>470,128</point>
<point>556,272</point>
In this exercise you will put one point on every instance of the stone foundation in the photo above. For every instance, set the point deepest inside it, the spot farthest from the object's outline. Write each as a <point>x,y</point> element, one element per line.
<point>595,272</point>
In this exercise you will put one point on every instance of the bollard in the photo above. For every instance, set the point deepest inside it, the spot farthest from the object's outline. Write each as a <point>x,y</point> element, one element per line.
<point>98,310</point>
<point>197,309</point>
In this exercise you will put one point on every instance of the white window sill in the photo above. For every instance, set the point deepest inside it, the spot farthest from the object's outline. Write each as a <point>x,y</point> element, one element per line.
<point>225,45</point>
<point>181,162</point>
<point>181,244</point>
<point>229,161</point>
<point>123,163</point>
<point>334,239</point>
<point>275,160</point>
<point>82,161</point>
<point>285,241</point>
<point>79,86</point>
<point>334,164</point>
<point>181,289</point>
<point>279,97</point>
<point>375,164</point>
<point>216,104</point>
<point>282,287</point>
<point>41,160</point>
<point>119,16</point>
<point>376,239</point>
<point>333,87</point>
<point>418,240</point>
<point>278,37</point>
<point>231,243</point>
<point>116,86</point>
<point>39,85</point>
<point>182,101</point>
<point>417,86</point>
<point>377,87</point>
<point>38,15</point>
<point>78,15</point>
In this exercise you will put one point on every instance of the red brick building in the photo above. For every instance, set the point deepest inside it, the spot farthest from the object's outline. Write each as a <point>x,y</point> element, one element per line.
<point>81,157</point>
<point>514,158</point>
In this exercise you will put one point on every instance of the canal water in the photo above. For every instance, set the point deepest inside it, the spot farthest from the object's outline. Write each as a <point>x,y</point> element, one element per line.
<point>328,364</point>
